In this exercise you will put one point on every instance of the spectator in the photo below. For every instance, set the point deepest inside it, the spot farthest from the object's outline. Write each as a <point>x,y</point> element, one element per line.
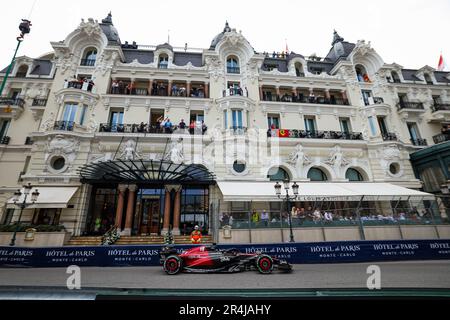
<point>328,217</point>
<point>182,125</point>
<point>115,87</point>
<point>174,90</point>
<point>265,218</point>
<point>204,127</point>
<point>317,216</point>
<point>225,219</point>
<point>121,87</point>
<point>255,217</point>
<point>141,128</point>
<point>312,98</point>
<point>192,127</point>
<point>90,85</point>
<point>168,126</point>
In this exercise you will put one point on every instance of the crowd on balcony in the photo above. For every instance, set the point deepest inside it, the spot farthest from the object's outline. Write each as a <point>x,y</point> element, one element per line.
<point>157,89</point>
<point>302,98</point>
<point>235,91</point>
<point>162,125</point>
<point>82,84</point>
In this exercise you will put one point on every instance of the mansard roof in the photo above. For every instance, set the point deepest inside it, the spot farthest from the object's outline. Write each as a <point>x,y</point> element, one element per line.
<point>219,37</point>
<point>110,31</point>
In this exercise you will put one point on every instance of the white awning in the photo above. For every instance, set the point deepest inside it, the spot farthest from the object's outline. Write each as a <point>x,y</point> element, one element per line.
<point>49,197</point>
<point>323,191</point>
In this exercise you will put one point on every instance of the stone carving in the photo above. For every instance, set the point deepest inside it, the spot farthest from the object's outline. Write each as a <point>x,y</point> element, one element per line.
<point>215,67</point>
<point>101,158</point>
<point>175,154</point>
<point>62,146</point>
<point>337,159</point>
<point>129,151</point>
<point>93,124</point>
<point>299,159</point>
<point>49,123</point>
<point>391,152</point>
<point>90,28</point>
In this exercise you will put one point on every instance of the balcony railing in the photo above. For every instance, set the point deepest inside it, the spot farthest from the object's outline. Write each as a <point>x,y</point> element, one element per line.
<point>389,136</point>
<point>12,102</point>
<point>87,62</point>
<point>441,107</point>
<point>161,92</point>
<point>163,65</point>
<point>234,70</point>
<point>81,85</point>
<point>301,99</point>
<point>152,129</point>
<point>238,130</point>
<point>440,138</point>
<point>410,105</point>
<point>5,140</point>
<point>419,142</point>
<point>307,134</point>
<point>39,102</point>
<point>64,125</point>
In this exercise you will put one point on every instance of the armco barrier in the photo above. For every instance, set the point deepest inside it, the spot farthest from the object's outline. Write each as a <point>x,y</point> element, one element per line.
<point>297,253</point>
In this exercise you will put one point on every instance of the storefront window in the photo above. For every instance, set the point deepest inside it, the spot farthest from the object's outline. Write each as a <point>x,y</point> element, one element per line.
<point>47,217</point>
<point>194,209</point>
<point>102,213</point>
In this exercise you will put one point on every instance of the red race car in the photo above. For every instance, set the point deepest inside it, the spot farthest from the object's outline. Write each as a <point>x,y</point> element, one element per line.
<point>212,260</point>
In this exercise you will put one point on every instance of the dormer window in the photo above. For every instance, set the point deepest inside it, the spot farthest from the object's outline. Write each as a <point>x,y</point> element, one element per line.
<point>22,71</point>
<point>89,57</point>
<point>299,70</point>
<point>361,73</point>
<point>163,61</point>
<point>395,77</point>
<point>233,65</point>
<point>427,78</point>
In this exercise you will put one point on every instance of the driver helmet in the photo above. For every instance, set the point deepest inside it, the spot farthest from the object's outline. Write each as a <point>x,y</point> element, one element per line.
<point>196,227</point>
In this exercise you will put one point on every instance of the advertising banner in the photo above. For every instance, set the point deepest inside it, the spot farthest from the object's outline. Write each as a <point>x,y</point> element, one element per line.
<point>296,253</point>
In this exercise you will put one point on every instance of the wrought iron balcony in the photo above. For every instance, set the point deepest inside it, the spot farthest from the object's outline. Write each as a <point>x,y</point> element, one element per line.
<point>308,134</point>
<point>302,99</point>
<point>151,129</point>
<point>410,105</point>
<point>12,102</point>
<point>238,130</point>
<point>419,142</point>
<point>88,62</point>
<point>5,140</point>
<point>39,102</point>
<point>389,136</point>
<point>234,70</point>
<point>440,138</point>
<point>441,107</point>
<point>64,125</point>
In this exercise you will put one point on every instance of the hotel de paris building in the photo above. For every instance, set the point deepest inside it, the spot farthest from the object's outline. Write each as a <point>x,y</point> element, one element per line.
<point>155,138</point>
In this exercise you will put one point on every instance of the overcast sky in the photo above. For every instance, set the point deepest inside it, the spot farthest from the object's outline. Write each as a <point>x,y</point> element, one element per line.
<point>411,33</point>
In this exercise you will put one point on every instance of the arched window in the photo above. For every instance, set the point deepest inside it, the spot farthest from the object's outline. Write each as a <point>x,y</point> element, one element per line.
<point>299,69</point>
<point>22,71</point>
<point>428,78</point>
<point>361,73</point>
<point>89,57</point>
<point>316,174</point>
<point>163,61</point>
<point>233,65</point>
<point>395,77</point>
<point>353,175</point>
<point>278,174</point>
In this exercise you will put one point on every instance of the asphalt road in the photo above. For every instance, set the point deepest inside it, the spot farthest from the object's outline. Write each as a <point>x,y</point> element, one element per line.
<point>423,274</point>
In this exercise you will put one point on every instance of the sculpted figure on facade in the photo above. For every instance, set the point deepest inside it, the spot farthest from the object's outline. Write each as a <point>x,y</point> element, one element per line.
<point>175,154</point>
<point>62,146</point>
<point>337,160</point>
<point>129,151</point>
<point>298,158</point>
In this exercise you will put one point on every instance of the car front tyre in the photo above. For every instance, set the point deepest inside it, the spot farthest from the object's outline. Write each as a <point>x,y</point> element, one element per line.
<point>173,265</point>
<point>264,264</point>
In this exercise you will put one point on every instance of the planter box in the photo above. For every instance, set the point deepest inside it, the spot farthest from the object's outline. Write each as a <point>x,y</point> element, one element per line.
<point>41,239</point>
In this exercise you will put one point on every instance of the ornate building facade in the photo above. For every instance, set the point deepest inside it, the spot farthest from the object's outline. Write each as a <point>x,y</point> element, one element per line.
<point>157,138</point>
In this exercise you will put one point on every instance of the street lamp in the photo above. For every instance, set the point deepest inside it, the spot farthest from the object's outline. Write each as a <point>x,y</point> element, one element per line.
<point>24,28</point>
<point>288,198</point>
<point>16,198</point>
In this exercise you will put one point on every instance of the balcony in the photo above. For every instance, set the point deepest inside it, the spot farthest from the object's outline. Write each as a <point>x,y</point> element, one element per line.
<point>80,85</point>
<point>87,62</point>
<point>301,99</point>
<point>12,102</point>
<point>306,134</point>
<point>411,106</point>
<point>5,140</point>
<point>150,129</point>
<point>419,142</point>
<point>39,103</point>
<point>238,131</point>
<point>234,70</point>
<point>389,136</point>
<point>64,125</point>
<point>440,138</point>
<point>440,107</point>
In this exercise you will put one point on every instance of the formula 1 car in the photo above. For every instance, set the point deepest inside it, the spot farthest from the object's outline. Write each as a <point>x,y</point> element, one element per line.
<point>209,259</point>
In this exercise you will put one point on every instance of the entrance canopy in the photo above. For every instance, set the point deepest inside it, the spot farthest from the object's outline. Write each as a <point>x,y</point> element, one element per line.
<point>49,197</point>
<point>140,171</point>
<point>312,191</point>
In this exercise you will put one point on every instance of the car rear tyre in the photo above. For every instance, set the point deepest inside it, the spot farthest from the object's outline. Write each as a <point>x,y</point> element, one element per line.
<point>264,264</point>
<point>173,265</point>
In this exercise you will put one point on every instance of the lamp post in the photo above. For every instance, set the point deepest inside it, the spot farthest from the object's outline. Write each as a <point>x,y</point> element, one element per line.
<point>287,198</point>
<point>24,28</point>
<point>22,205</point>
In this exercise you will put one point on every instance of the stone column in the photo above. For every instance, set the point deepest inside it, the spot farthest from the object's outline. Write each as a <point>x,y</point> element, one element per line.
<point>119,211</point>
<point>169,88</point>
<point>130,210</point>
<point>278,92</point>
<point>150,87</point>
<point>327,94</point>
<point>177,212</point>
<point>166,222</point>
<point>261,95</point>
<point>206,89</point>
<point>188,89</point>
<point>344,95</point>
